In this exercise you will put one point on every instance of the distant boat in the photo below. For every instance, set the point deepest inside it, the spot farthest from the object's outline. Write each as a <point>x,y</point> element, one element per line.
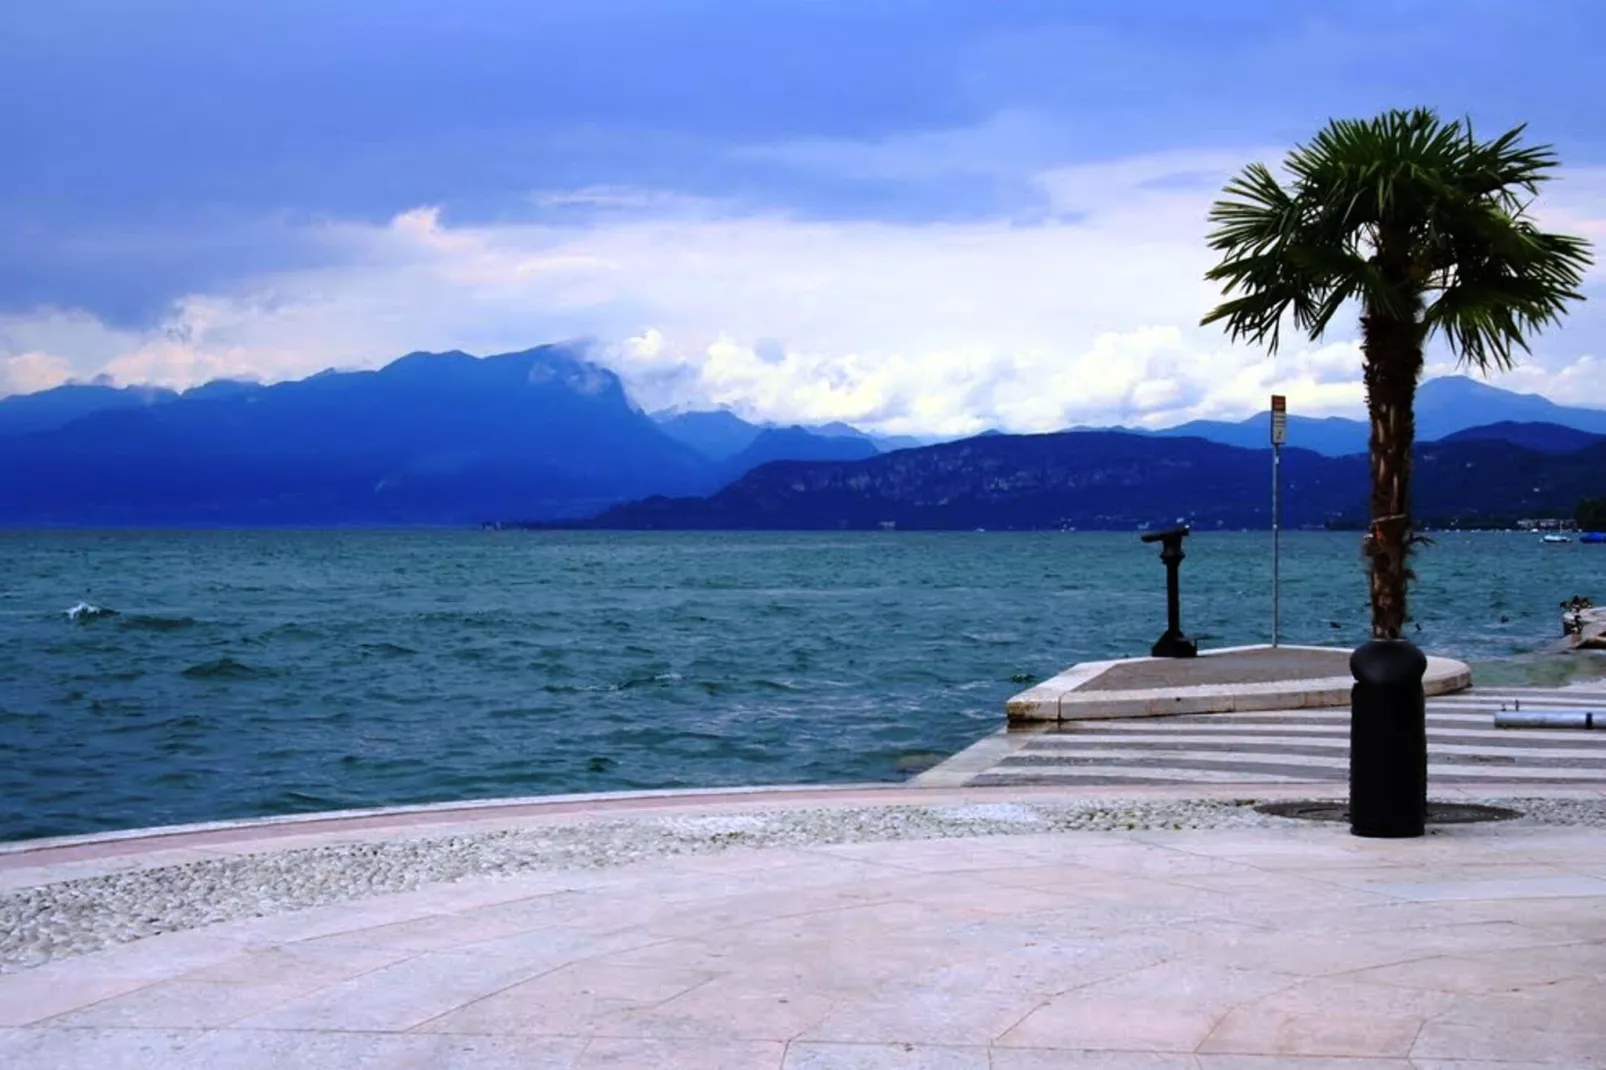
<point>1592,536</point>
<point>1556,538</point>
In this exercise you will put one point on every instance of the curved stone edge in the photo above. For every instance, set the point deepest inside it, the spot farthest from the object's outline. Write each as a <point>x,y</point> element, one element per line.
<point>1060,698</point>
<point>457,810</point>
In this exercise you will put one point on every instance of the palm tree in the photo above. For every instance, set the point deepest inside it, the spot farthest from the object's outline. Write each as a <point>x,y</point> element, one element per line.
<point>1428,228</point>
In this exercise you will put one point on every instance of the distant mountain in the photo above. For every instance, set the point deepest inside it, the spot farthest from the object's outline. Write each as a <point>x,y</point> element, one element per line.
<point>1539,437</point>
<point>432,438</point>
<point>717,434</point>
<point>447,438</point>
<point>1117,481</point>
<point>222,388</point>
<point>1444,406</point>
<point>1456,402</point>
<point>796,444</point>
<point>26,413</point>
<point>1333,436</point>
<point>888,443</point>
<point>883,443</point>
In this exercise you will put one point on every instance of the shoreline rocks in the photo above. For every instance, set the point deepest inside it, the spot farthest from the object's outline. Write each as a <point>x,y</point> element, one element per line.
<point>1583,624</point>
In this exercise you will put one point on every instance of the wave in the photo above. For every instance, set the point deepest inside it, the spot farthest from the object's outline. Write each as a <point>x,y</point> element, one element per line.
<point>222,669</point>
<point>83,612</point>
<point>388,650</point>
<point>992,638</point>
<point>154,623</point>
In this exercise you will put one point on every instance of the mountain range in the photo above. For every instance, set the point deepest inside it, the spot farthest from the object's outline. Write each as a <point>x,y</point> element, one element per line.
<point>1115,480</point>
<point>543,435</point>
<point>1444,406</point>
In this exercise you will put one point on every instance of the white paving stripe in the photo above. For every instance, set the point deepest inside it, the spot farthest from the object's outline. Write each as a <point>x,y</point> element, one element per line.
<point>1560,692</point>
<point>1070,744</point>
<point>1495,704</point>
<point>1340,759</point>
<point>1252,733</point>
<point>1248,769</point>
<point>1128,772</point>
<point>1169,748</point>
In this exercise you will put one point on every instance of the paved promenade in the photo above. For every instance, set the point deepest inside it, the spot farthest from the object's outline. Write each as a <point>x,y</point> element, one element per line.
<point>1288,746</point>
<point>943,929</point>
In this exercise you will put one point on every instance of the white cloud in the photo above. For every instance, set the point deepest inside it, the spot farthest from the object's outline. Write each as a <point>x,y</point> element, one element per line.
<point>26,373</point>
<point>1086,317</point>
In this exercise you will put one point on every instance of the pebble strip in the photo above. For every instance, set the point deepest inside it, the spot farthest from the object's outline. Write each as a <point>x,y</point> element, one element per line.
<point>71,917</point>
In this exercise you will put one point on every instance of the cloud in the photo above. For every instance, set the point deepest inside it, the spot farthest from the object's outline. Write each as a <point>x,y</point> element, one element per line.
<point>1086,314</point>
<point>27,373</point>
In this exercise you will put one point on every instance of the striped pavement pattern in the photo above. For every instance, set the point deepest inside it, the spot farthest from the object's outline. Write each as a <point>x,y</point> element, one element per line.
<point>1292,746</point>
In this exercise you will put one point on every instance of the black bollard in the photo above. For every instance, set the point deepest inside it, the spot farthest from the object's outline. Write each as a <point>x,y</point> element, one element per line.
<point>1388,740</point>
<point>1172,644</point>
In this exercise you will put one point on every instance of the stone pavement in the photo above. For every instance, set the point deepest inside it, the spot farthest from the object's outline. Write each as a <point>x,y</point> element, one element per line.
<point>1285,945</point>
<point>1232,679</point>
<point>1246,666</point>
<point>1285,746</point>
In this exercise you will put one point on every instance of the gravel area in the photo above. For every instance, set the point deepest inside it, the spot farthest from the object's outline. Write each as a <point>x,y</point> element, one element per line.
<point>72,917</point>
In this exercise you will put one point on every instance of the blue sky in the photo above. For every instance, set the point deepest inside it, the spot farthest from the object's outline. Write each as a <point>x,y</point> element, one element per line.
<point>915,214</point>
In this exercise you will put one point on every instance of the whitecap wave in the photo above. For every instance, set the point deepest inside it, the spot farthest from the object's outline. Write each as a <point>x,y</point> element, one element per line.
<point>85,611</point>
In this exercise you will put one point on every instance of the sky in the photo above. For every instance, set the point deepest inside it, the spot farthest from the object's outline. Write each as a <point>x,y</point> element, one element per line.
<point>918,216</point>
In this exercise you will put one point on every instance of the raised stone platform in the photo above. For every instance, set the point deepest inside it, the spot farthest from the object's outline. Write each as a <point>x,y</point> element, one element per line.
<point>1233,679</point>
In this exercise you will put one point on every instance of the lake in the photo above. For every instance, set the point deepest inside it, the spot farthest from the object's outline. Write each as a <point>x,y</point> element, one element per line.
<point>251,673</point>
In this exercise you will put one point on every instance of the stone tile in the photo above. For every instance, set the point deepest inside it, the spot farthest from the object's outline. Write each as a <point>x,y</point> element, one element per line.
<point>315,922</point>
<point>397,997</point>
<point>255,1050</point>
<point>1043,968</point>
<point>104,1049</point>
<point>1315,954</point>
<point>1328,1017</point>
<point>1561,1007</point>
<point>551,948</point>
<point>1284,1062</point>
<point>1062,1059</point>
<point>154,958</point>
<point>184,1005</point>
<point>311,966</point>
<point>1189,984</point>
<point>735,912</point>
<point>623,1053</point>
<point>593,997</point>
<point>818,1056</point>
<point>1076,1020</point>
<point>1477,1045</point>
<point>437,932</point>
<point>732,1008</point>
<point>1495,971</point>
<point>924,1015</point>
<point>1509,888</point>
<point>1491,1064</point>
<point>25,1000</point>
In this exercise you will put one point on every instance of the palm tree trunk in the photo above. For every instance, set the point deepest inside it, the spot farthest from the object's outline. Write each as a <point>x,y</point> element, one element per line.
<point>1393,356</point>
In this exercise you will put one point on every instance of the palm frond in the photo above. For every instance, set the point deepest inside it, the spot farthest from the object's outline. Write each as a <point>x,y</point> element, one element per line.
<point>1411,216</point>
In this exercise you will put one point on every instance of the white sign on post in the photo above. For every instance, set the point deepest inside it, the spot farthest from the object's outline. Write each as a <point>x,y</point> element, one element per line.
<point>1279,419</point>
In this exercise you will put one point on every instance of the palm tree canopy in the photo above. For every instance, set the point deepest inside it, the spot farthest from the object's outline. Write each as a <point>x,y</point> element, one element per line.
<point>1414,217</point>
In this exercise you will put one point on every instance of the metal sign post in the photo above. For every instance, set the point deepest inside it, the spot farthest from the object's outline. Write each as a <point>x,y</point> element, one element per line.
<point>1279,435</point>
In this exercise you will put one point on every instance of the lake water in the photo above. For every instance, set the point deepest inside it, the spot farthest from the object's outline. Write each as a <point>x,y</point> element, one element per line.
<point>250,673</point>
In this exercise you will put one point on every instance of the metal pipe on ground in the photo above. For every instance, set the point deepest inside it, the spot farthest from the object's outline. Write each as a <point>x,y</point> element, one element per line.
<point>1588,719</point>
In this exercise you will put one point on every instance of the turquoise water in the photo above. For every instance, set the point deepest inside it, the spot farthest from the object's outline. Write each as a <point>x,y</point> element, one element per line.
<point>250,673</point>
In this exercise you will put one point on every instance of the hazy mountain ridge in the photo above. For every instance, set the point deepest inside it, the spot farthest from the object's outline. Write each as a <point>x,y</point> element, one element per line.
<point>429,438</point>
<point>448,438</point>
<point>1116,480</point>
